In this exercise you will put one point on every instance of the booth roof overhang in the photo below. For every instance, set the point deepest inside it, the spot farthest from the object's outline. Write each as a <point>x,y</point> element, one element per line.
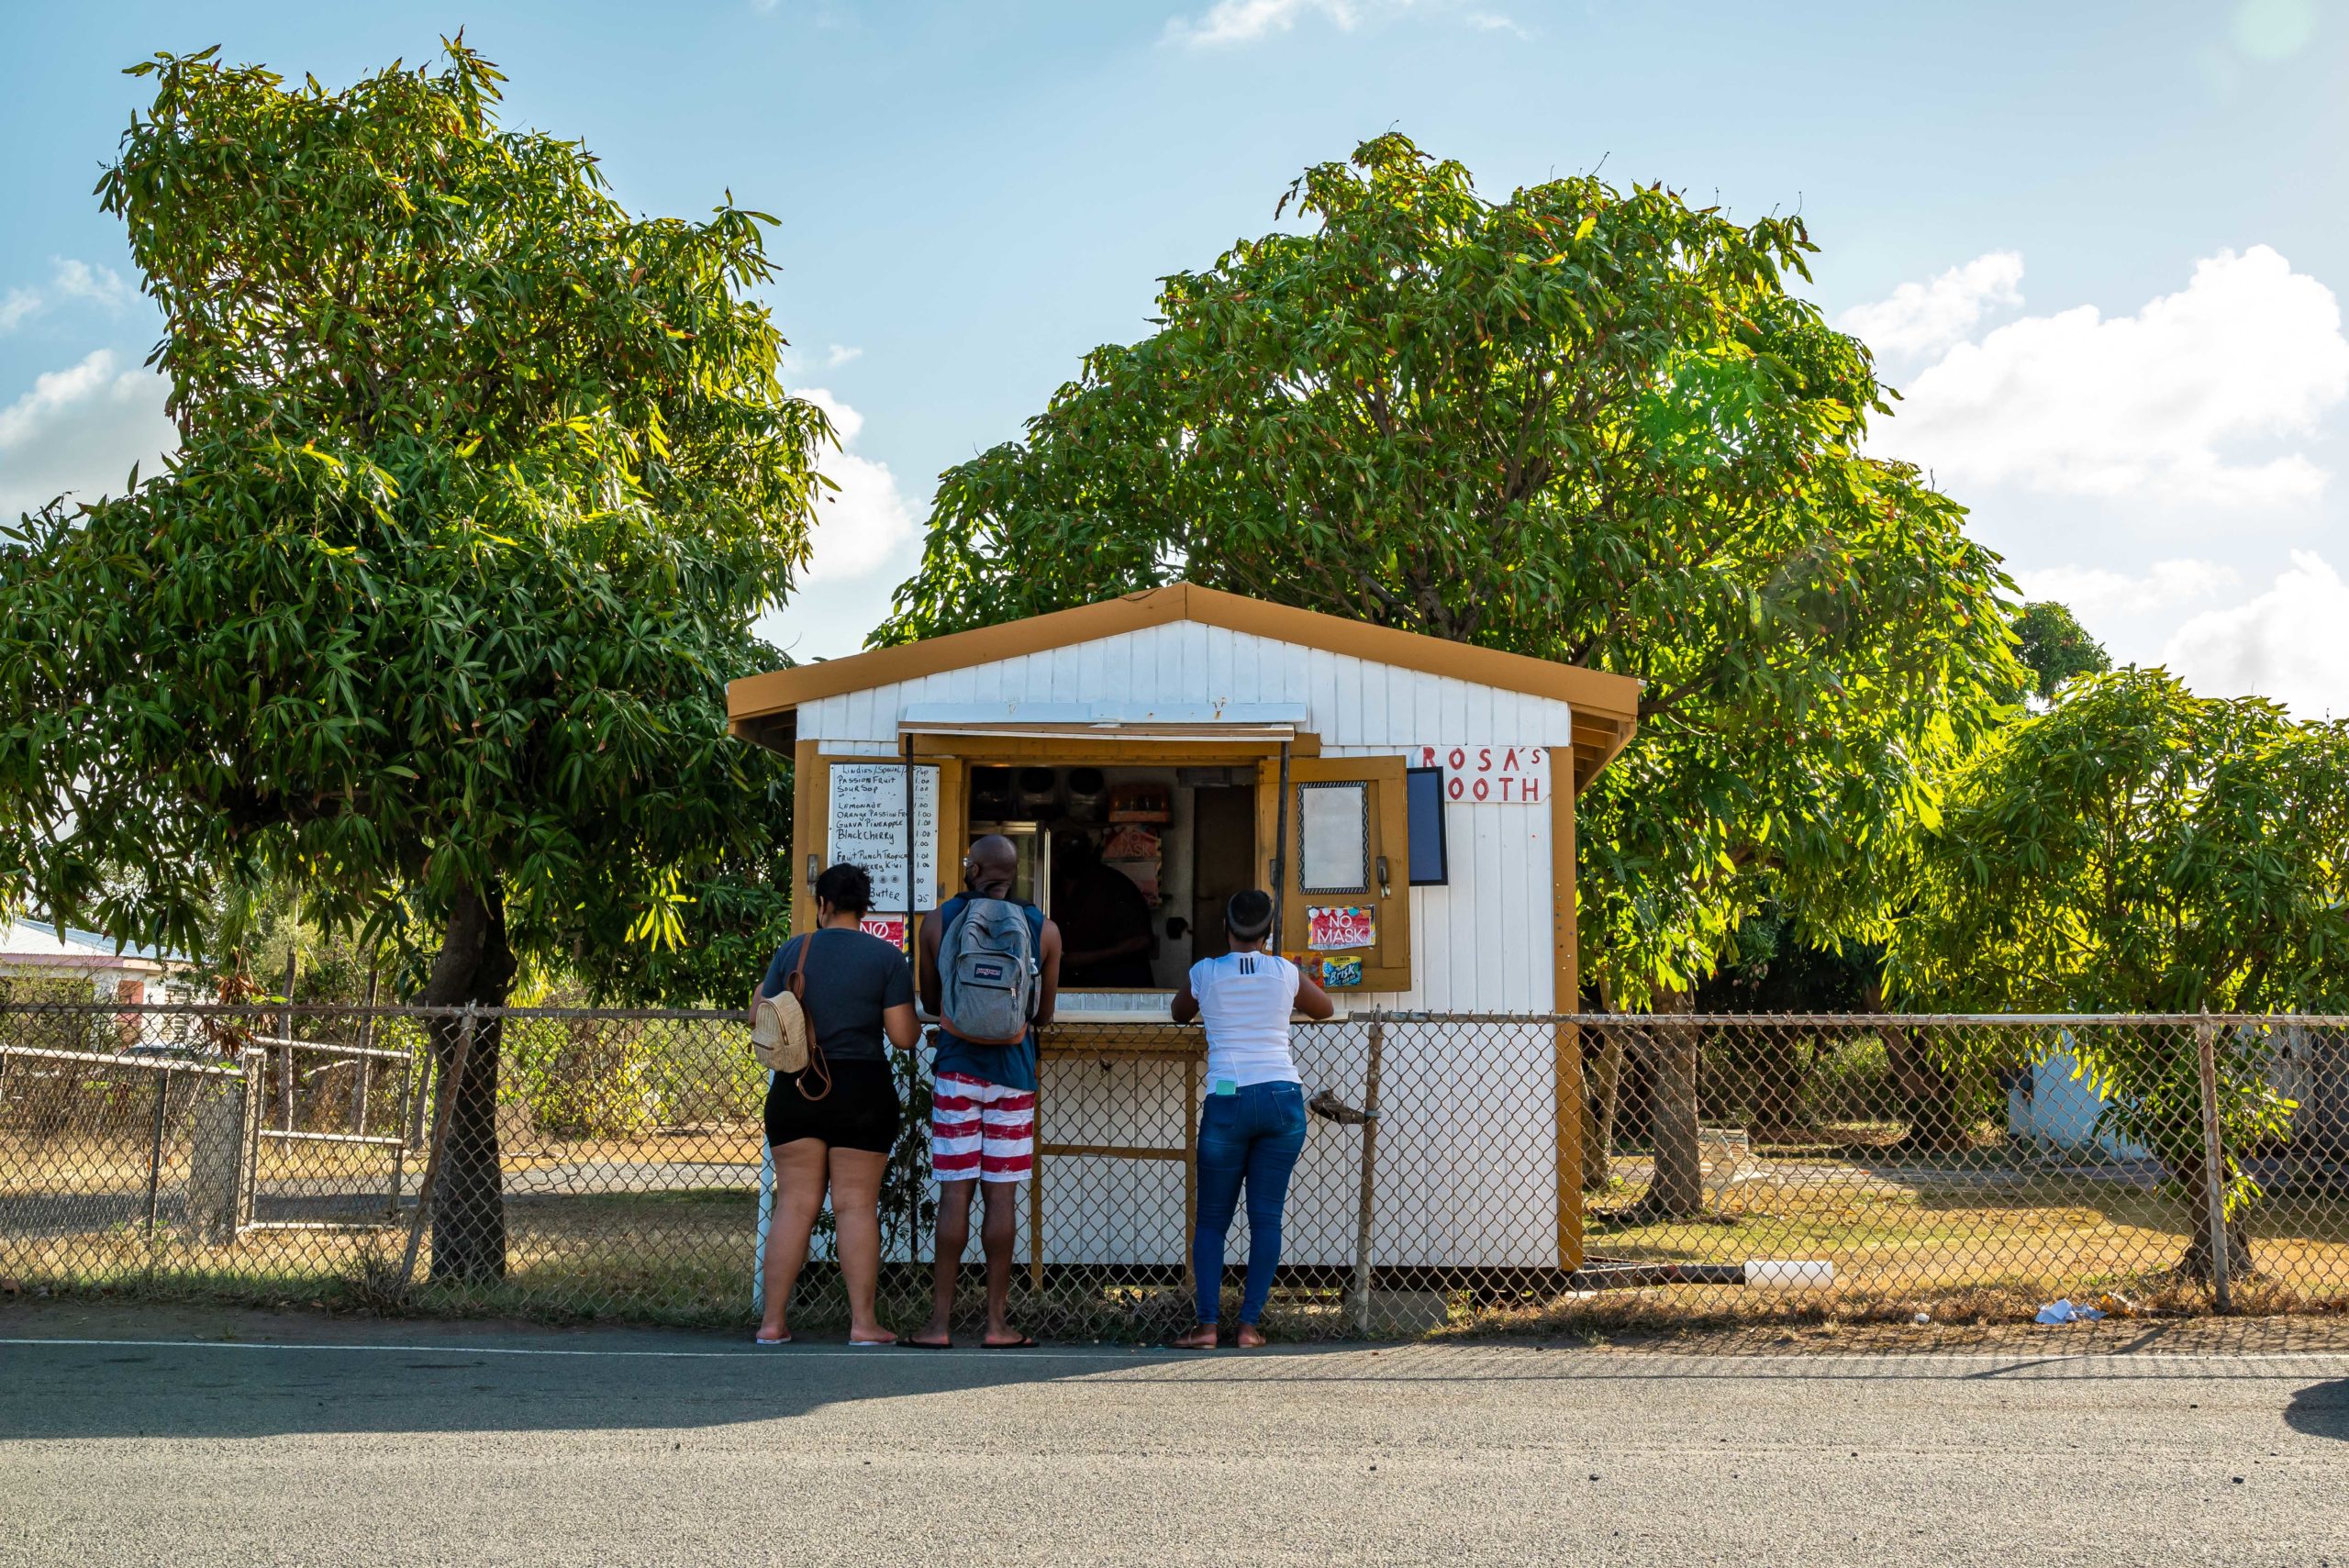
<point>763,709</point>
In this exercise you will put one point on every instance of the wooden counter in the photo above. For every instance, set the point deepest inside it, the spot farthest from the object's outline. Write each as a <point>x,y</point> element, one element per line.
<point>1104,1035</point>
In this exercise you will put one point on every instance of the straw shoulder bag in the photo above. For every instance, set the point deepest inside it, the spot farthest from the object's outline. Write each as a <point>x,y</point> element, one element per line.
<point>783,1040</point>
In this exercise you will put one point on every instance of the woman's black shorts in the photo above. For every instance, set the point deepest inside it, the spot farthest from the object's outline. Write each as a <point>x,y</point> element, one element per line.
<point>860,1113</point>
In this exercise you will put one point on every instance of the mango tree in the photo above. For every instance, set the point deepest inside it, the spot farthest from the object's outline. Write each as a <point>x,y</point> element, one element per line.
<point>481,482</point>
<point>2054,647</point>
<point>1582,423</point>
<point>2138,849</point>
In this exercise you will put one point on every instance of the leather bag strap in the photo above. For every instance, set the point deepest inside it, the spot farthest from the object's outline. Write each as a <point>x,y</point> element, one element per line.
<point>817,1071</point>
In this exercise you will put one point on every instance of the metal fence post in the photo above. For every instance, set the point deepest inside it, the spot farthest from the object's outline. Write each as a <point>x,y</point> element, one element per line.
<point>419,1097</point>
<point>451,1082</point>
<point>255,1062</point>
<point>1363,1213</point>
<point>412,1088</point>
<point>155,1147</point>
<point>2214,1166</point>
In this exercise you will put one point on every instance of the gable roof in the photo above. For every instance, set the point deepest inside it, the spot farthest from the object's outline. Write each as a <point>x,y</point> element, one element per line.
<point>761,708</point>
<point>40,943</point>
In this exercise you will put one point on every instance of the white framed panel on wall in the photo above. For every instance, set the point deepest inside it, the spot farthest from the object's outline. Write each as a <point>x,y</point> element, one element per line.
<point>866,825</point>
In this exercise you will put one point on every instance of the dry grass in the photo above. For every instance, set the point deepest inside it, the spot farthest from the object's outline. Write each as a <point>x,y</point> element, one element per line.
<point>661,1233</point>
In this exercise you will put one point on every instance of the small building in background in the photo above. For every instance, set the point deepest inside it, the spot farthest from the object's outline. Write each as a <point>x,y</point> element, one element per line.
<point>39,962</point>
<point>2051,1103</point>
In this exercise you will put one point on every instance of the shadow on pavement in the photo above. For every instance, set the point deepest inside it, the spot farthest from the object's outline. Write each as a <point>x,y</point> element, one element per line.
<point>69,1371</point>
<point>64,1389</point>
<point>2321,1410</point>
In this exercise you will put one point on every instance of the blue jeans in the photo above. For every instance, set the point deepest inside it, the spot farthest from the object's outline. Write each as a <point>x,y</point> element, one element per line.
<point>1253,1137</point>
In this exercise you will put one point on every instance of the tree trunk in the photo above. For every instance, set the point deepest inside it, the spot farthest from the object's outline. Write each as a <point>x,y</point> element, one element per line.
<point>1927,1094</point>
<point>1603,1080</point>
<point>1781,1069</point>
<point>1678,1189</point>
<point>476,965</point>
<point>2196,1265</point>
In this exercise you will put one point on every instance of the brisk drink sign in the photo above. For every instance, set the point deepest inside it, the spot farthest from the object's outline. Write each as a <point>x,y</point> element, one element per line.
<point>1489,776</point>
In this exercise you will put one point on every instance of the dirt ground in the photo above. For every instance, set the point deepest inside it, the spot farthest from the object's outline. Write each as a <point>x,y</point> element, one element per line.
<point>37,1311</point>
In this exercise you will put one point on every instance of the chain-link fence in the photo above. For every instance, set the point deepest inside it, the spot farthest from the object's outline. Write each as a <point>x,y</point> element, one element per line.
<point>1510,1172</point>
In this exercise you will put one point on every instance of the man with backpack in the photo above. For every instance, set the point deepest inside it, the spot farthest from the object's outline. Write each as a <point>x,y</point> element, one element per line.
<point>990,967</point>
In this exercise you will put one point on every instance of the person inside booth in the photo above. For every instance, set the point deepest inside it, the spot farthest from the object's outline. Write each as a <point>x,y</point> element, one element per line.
<point>1104,920</point>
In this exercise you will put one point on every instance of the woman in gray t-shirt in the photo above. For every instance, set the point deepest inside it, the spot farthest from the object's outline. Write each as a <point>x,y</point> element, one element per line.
<point>859,992</point>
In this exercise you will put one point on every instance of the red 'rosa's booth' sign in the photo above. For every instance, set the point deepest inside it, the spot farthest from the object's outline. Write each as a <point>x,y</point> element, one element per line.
<point>1489,776</point>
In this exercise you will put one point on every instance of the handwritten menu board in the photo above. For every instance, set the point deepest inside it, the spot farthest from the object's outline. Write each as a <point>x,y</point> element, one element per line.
<point>867,828</point>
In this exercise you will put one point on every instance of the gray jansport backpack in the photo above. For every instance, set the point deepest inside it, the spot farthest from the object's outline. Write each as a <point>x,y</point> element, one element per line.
<point>987,967</point>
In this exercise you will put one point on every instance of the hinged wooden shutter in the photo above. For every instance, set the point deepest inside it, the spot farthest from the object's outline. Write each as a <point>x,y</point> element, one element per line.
<point>1321,869</point>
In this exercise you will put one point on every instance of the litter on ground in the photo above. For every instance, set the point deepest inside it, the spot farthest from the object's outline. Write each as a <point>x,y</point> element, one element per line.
<point>2065,1312</point>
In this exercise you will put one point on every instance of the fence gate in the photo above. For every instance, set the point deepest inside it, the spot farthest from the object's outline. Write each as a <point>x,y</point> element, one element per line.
<point>335,1127</point>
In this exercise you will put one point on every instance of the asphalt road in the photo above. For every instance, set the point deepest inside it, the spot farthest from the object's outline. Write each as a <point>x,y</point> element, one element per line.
<point>125,1439</point>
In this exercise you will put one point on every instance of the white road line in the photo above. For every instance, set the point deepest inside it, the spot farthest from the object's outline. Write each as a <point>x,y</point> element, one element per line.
<point>1591,1360</point>
<point>779,1352</point>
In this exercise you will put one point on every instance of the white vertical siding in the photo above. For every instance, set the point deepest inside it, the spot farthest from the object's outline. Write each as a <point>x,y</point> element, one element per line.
<point>1353,702</point>
<point>1467,1154</point>
<point>1469,1116</point>
<point>1481,944</point>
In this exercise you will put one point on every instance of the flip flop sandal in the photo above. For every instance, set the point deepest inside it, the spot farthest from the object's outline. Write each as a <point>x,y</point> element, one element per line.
<point>1021,1344</point>
<point>924,1345</point>
<point>770,1344</point>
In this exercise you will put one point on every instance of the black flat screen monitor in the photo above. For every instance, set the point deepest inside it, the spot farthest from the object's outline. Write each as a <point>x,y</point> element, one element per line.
<point>1423,803</point>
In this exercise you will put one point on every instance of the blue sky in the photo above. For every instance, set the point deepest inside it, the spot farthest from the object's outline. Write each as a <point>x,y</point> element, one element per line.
<point>2099,245</point>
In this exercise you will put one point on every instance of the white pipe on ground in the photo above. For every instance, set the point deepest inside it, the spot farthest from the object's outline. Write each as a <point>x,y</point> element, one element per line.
<point>1818,1272</point>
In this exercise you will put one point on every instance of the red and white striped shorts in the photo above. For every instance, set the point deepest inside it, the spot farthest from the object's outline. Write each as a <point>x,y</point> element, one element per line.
<point>982,1129</point>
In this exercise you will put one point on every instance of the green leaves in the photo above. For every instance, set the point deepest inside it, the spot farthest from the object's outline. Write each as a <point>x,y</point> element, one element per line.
<point>2136,848</point>
<point>1584,424</point>
<point>2054,648</point>
<point>465,537</point>
<point>2139,849</point>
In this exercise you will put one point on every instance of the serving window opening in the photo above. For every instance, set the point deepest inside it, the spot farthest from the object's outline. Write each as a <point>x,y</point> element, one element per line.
<point>1133,863</point>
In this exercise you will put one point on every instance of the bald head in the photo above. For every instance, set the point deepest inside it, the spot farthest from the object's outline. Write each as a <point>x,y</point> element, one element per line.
<point>992,866</point>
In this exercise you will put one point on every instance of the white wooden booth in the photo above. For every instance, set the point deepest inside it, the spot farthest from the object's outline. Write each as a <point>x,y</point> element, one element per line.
<point>1252,744</point>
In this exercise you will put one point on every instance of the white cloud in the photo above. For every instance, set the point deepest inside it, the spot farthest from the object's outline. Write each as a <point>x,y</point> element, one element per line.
<point>1240,21</point>
<point>840,354</point>
<point>2291,643</point>
<point>2095,591</point>
<point>1244,21</point>
<point>101,286</point>
<point>2274,29</point>
<point>2154,406</point>
<point>68,280</point>
<point>79,431</point>
<point>1922,318</point>
<point>863,525</point>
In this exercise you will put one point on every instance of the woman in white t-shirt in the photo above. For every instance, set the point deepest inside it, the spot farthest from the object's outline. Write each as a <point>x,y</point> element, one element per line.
<point>1254,1126</point>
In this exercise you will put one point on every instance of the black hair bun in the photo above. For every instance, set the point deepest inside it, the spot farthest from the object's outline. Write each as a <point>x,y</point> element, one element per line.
<point>1250,914</point>
<point>847,888</point>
